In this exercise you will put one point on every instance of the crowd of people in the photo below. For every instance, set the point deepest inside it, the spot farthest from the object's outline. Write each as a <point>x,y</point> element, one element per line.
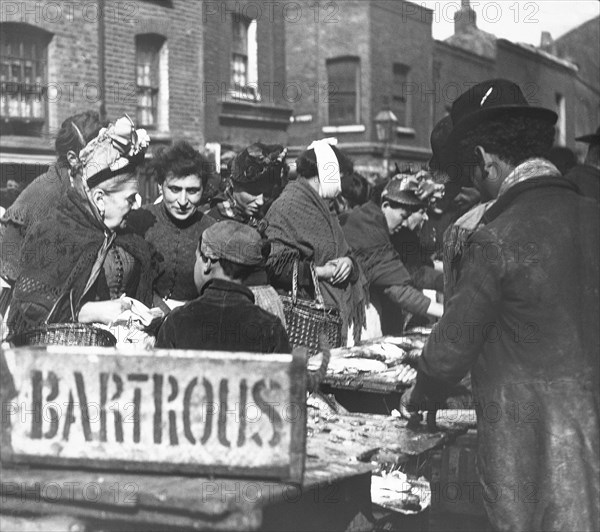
<point>519,278</point>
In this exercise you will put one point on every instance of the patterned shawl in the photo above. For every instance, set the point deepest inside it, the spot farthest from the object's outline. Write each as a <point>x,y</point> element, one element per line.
<point>59,255</point>
<point>301,226</point>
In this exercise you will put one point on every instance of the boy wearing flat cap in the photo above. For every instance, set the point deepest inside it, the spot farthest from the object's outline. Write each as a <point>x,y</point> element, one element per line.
<point>523,318</point>
<point>224,317</point>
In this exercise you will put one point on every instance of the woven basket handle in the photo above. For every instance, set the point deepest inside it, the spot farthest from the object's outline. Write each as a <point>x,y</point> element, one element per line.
<point>57,302</point>
<point>318,294</point>
<point>315,280</point>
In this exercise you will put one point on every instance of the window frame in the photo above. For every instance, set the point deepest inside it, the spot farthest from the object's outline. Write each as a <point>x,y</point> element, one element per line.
<point>146,44</point>
<point>24,102</point>
<point>399,98</point>
<point>343,120</point>
<point>244,50</point>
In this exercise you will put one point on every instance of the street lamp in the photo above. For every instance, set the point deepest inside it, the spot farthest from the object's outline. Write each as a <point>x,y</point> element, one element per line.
<point>385,125</point>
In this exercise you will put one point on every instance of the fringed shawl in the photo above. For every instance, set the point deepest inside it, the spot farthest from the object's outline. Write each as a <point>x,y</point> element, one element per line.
<point>58,256</point>
<point>301,226</point>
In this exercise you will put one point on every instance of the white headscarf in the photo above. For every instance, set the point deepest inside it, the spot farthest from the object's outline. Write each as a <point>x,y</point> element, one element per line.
<point>328,166</point>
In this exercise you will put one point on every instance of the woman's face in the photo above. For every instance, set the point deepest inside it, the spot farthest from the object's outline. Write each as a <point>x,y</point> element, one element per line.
<point>251,204</point>
<point>115,203</point>
<point>182,195</point>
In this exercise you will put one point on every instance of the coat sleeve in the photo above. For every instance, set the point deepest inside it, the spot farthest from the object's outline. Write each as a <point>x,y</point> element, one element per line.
<point>166,334</point>
<point>280,337</point>
<point>459,337</point>
<point>280,268</point>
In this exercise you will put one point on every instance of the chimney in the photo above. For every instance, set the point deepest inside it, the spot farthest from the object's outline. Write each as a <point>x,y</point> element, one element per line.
<point>547,43</point>
<point>465,18</point>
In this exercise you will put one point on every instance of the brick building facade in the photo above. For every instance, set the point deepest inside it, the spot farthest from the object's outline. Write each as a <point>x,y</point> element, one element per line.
<point>232,72</point>
<point>386,48</point>
<point>548,75</point>
<point>181,68</point>
<point>353,59</point>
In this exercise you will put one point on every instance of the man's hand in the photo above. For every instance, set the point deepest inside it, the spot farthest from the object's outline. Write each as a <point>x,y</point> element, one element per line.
<point>409,406</point>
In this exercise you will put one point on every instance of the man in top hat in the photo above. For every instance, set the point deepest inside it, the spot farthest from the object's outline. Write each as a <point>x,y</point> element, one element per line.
<point>524,319</point>
<point>587,175</point>
<point>224,317</point>
<point>368,230</point>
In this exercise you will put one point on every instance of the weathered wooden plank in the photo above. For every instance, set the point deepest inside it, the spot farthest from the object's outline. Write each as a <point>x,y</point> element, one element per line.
<point>57,523</point>
<point>184,412</point>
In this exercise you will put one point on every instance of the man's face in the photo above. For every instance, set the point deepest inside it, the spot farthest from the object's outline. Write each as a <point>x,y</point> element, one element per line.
<point>182,195</point>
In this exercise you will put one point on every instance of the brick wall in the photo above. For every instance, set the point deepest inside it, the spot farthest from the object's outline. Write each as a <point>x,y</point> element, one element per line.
<point>179,23</point>
<point>246,121</point>
<point>72,72</point>
<point>330,30</point>
<point>401,33</point>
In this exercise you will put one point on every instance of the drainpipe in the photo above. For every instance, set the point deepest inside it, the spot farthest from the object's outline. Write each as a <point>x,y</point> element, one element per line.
<point>101,58</point>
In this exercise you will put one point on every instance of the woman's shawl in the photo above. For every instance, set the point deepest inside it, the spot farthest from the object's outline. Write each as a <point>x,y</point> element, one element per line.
<point>301,226</point>
<point>58,256</point>
<point>32,205</point>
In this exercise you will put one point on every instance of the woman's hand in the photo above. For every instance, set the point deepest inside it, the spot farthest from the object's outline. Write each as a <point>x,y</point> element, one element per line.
<point>102,311</point>
<point>343,269</point>
<point>325,272</point>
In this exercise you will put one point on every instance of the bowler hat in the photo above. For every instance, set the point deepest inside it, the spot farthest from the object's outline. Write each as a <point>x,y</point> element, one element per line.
<point>438,139</point>
<point>592,138</point>
<point>491,99</point>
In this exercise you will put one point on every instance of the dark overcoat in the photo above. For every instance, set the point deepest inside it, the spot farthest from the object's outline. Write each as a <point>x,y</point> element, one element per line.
<point>525,317</point>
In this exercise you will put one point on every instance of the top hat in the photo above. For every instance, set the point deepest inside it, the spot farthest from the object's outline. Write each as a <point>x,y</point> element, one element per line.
<point>491,99</point>
<point>592,138</point>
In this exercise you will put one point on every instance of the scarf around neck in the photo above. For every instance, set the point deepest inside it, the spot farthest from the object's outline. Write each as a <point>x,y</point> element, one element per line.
<point>456,236</point>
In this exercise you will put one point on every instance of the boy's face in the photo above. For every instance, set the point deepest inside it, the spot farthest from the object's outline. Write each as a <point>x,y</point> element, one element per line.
<point>202,269</point>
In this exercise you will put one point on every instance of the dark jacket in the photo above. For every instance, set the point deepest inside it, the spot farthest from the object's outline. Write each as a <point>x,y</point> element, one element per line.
<point>524,316</point>
<point>587,179</point>
<point>176,242</point>
<point>223,318</point>
<point>365,229</point>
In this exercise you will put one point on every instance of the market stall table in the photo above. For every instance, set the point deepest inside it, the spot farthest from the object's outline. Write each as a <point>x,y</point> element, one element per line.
<point>335,493</point>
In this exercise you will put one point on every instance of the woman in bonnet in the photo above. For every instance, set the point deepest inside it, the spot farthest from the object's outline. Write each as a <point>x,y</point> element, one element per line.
<point>301,228</point>
<point>77,263</point>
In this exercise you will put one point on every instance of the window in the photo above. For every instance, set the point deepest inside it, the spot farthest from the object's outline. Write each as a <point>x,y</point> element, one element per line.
<point>23,68</point>
<point>399,99</point>
<point>244,58</point>
<point>343,75</point>
<point>152,81</point>
<point>561,124</point>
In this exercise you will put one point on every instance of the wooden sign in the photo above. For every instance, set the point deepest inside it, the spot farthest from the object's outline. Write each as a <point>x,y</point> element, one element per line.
<point>189,412</point>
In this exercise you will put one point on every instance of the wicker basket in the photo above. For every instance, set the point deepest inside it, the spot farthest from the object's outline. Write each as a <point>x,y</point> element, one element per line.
<point>65,334</point>
<point>306,319</point>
